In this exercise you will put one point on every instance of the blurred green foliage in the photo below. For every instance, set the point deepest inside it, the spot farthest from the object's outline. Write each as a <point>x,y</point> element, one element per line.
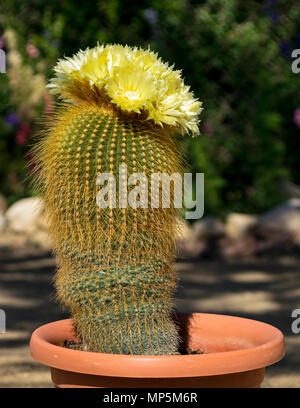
<point>235,54</point>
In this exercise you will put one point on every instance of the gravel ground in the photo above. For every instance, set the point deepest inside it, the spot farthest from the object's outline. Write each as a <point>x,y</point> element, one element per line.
<point>265,290</point>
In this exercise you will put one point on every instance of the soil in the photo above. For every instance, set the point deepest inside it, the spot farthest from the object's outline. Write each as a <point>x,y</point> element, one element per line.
<point>263,289</point>
<point>76,346</point>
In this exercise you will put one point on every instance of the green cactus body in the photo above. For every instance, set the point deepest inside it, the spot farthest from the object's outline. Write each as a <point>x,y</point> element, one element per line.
<point>115,268</point>
<point>115,264</point>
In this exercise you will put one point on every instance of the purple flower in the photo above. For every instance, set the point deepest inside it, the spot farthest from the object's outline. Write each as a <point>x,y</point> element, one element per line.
<point>151,15</point>
<point>12,119</point>
<point>47,34</point>
<point>285,49</point>
<point>55,43</point>
<point>297,43</point>
<point>297,117</point>
<point>273,15</point>
<point>271,3</point>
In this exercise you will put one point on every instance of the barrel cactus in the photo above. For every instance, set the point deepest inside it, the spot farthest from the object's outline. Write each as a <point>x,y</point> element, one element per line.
<point>119,112</point>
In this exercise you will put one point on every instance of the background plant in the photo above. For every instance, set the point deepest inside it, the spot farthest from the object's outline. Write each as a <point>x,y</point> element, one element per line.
<point>234,53</point>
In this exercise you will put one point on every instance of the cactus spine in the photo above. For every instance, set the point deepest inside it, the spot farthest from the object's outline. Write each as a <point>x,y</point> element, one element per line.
<point>115,268</point>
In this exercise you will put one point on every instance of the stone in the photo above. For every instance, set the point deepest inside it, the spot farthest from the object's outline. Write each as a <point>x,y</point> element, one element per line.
<point>3,204</point>
<point>23,215</point>
<point>208,227</point>
<point>2,220</point>
<point>27,217</point>
<point>283,219</point>
<point>238,225</point>
<point>190,248</point>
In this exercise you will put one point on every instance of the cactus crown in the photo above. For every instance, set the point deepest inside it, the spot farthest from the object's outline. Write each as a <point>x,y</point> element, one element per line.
<point>135,80</point>
<point>114,264</point>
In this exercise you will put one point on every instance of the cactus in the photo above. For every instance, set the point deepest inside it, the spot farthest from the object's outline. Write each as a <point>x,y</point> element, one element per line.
<point>115,270</point>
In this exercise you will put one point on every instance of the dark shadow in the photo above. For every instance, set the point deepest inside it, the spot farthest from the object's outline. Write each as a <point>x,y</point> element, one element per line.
<point>27,293</point>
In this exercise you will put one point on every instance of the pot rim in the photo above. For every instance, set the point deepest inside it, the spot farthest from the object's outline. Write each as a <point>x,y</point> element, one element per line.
<point>45,348</point>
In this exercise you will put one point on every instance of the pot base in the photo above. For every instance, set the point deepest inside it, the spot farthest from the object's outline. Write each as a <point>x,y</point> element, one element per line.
<point>68,379</point>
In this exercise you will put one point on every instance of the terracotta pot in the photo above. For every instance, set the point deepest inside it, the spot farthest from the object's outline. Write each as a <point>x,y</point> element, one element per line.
<point>235,353</point>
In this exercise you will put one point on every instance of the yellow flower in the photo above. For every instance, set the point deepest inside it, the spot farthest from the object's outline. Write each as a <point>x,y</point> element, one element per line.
<point>130,89</point>
<point>94,69</point>
<point>134,79</point>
